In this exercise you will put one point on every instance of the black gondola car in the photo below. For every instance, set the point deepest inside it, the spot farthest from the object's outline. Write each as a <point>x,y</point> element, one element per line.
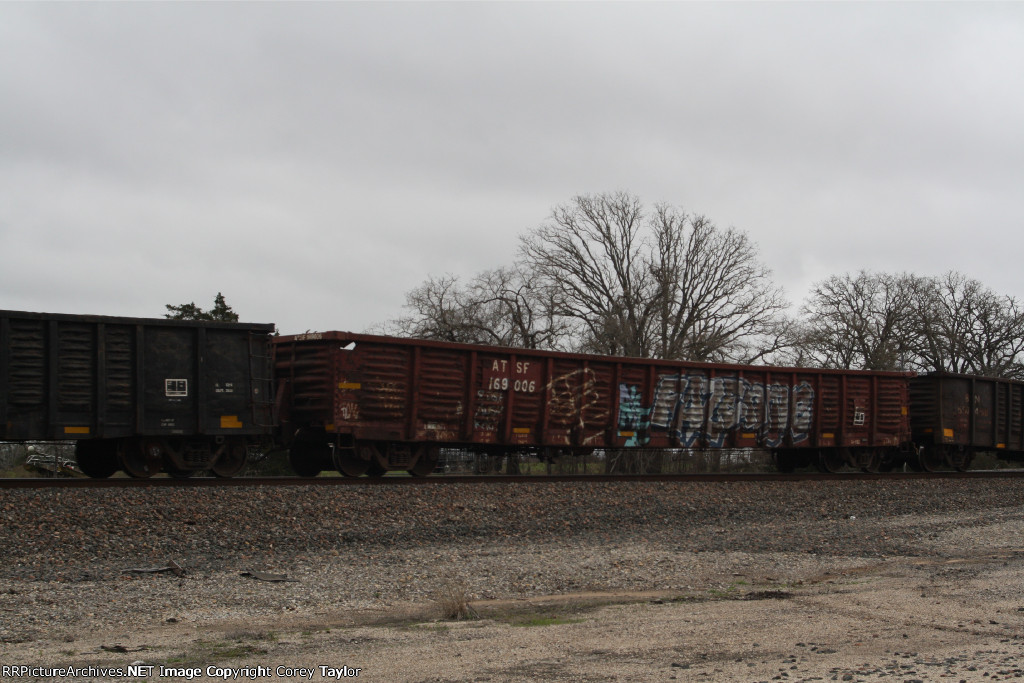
<point>954,416</point>
<point>143,395</point>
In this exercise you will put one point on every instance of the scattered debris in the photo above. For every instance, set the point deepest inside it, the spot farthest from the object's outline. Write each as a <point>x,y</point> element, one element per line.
<point>768,595</point>
<point>173,566</point>
<point>263,576</point>
<point>121,649</point>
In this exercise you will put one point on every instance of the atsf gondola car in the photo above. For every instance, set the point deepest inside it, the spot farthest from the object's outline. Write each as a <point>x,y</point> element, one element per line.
<point>367,404</point>
<point>142,395</point>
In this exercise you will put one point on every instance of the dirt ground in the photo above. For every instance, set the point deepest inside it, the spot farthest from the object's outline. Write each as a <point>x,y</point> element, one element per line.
<point>895,619</point>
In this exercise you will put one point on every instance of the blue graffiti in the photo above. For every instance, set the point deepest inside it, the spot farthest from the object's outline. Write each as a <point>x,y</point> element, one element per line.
<point>693,408</point>
<point>693,399</point>
<point>633,417</point>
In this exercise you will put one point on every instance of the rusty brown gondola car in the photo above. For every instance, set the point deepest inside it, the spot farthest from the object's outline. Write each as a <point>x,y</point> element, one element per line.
<point>368,404</point>
<point>142,395</point>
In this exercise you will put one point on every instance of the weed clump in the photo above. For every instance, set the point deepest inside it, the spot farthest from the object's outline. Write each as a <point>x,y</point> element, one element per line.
<point>452,601</point>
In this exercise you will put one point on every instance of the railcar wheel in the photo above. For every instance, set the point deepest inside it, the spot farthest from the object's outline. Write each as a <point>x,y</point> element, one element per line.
<point>484,463</point>
<point>143,459</point>
<point>871,461</point>
<point>231,460</point>
<point>355,461</point>
<point>380,454</point>
<point>931,458</point>
<point>426,462</point>
<point>304,458</point>
<point>831,460</point>
<point>309,452</point>
<point>96,458</point>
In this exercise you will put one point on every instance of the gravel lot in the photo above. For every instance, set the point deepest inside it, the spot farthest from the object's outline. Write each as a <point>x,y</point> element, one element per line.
<point>803,580</point>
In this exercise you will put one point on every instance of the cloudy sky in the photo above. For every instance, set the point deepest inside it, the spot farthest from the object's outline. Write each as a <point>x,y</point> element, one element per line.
<point>316,161</point>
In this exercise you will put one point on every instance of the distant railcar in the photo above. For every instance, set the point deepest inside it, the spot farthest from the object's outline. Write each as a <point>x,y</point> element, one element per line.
<point>142,395</point>
<point>368,404</point>
<point>955,416</point>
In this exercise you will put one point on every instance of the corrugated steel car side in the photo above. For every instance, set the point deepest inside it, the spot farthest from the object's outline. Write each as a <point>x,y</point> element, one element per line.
<point>384,390</point>
<point>108,379</point>
<point>954,415</point>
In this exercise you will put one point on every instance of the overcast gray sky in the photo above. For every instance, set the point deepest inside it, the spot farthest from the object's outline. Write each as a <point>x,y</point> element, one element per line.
<point>316,161</point>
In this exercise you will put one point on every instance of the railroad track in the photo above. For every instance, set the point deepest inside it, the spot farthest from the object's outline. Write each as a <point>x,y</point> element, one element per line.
<point>166,482</point>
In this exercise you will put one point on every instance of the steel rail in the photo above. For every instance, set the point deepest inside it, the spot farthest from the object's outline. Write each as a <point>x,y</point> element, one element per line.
<point>165,482</point>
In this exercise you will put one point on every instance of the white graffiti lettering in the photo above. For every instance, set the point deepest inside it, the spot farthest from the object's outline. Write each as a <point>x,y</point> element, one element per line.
<point>698,410</point>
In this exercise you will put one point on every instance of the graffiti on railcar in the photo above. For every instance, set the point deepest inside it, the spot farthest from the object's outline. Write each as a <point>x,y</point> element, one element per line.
<point>777,416</point>
<point>634,419</point>
<point>631,408</point>
<point>751,406</point>
<point>569,395</point>
<point>803,411</point>
<point>725,402</point>
<point>490,406</point>
<point>664,407</point>
<point>694,409</point>
<point>693,399</point>
<point>575,401</point>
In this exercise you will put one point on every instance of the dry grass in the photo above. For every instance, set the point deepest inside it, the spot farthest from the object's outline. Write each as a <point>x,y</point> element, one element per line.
<point>452,601</point>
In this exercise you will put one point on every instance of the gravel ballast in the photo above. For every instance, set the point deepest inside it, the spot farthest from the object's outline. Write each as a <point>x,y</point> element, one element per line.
<point>69,535</point>
<point>355,549</point>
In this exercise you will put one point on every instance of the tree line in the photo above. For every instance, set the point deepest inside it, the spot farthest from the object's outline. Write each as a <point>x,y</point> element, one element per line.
<point>606,275</point>
<point>220,312</point>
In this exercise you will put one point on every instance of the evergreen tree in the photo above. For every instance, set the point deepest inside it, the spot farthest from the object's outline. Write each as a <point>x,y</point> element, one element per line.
<point>220,312</point>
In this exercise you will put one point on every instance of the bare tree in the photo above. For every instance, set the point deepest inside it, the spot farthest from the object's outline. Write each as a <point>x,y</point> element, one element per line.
<point>518,310</point>
<point>859,321</point>
<point>962,326</point>
<point>602,276</point>
<point>882,321</point>
<point>500,307</point>
<point>715,300</point>
<point>666,285</point>
<point>592,252</point>
<point>780,344</point>
<point>439,309</point>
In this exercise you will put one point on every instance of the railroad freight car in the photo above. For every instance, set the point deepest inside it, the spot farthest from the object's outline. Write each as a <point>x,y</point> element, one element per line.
<point>955,416</point>
<point>367,404</point>
<point>142,395</point>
